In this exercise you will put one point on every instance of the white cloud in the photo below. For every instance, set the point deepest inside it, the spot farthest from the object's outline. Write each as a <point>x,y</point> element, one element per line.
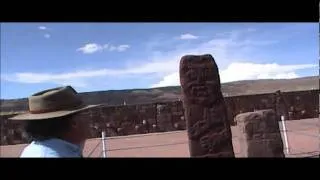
<point>93,48</point>
<point>42,28</point>
<point>120,48</point>
<point>188,36</point>
<point>45,29</point>
<point>90,48</point>
<point>251,71</point>
<point>245,71</point>
<point>162,66</point>
<point>169,80</point>
<point>33,78</point>
<point>123,47</point>
<point>47,36</point>
<point>74,78</point>
<point>234,72</point>
<point>112,48</point>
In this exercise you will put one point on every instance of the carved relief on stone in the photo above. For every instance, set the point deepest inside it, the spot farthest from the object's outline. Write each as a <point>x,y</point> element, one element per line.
<point>200,80</point>
<point>260,134</point>
<point>205,110</point>
<point>210,118</point>
<point>212,140</point>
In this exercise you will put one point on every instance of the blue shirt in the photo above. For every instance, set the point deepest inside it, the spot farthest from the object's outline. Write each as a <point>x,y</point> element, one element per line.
<point>51,148</point>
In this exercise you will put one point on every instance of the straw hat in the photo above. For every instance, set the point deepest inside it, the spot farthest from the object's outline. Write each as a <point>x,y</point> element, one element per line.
<point>53,103</point>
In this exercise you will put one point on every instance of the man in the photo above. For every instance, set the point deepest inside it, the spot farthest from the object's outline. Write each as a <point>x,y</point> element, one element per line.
<point>54,124</point>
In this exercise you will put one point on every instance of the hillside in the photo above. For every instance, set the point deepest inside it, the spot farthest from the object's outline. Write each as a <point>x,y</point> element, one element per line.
<point>140,96</point>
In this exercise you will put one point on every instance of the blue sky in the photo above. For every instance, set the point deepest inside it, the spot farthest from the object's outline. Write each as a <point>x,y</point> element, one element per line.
<point>104,56</point>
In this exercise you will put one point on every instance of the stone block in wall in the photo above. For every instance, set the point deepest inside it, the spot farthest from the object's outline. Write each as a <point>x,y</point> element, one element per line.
<point>177,113</point>
<point>178,122</point>
<point>260,134</point>
<point>164,122</point>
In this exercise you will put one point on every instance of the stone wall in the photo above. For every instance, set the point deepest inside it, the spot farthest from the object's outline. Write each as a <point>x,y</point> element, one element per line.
<point>300,104</point>
<point>163,117</point>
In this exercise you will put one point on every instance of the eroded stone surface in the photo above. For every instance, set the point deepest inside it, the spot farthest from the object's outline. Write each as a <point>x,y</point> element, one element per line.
<point>205,110</point>
<point>260,134</point>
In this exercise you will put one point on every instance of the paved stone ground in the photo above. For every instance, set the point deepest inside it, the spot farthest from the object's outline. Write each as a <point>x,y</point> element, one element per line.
<point>303,139</point>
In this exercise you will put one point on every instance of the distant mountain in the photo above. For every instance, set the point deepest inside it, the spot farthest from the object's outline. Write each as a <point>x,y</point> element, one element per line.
<point>172,93</point>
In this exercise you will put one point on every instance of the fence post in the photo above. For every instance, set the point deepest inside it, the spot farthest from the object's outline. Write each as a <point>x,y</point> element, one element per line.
<point>103,145</point>
<point>285,135</point>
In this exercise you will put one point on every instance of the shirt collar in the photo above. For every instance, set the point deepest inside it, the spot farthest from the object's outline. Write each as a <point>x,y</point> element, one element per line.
<point>73,147</point>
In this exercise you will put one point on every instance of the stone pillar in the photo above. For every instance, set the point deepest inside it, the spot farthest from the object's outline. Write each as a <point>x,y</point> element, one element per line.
<point>260,134</point>
<point>208,127</point>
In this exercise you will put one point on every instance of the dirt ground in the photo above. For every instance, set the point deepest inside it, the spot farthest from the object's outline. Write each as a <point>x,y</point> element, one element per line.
<point>303,140</point>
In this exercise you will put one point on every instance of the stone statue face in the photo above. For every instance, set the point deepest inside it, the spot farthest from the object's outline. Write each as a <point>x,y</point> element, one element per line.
<point>199,79</point>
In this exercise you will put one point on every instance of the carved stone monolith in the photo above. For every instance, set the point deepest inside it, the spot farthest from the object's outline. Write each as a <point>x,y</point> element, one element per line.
<point>208,127</point>
<point>260,134</point>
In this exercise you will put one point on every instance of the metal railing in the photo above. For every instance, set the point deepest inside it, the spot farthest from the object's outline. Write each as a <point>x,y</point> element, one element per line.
<point>284,131</point>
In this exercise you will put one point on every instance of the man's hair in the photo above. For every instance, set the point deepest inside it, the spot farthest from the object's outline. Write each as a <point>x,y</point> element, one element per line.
<point>49,128</point>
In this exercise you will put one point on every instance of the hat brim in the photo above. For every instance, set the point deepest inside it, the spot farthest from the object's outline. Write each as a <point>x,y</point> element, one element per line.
<point>50,115</point>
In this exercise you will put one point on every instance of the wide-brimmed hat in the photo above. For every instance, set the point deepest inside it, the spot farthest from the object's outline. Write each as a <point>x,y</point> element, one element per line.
<point>53,103</point>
